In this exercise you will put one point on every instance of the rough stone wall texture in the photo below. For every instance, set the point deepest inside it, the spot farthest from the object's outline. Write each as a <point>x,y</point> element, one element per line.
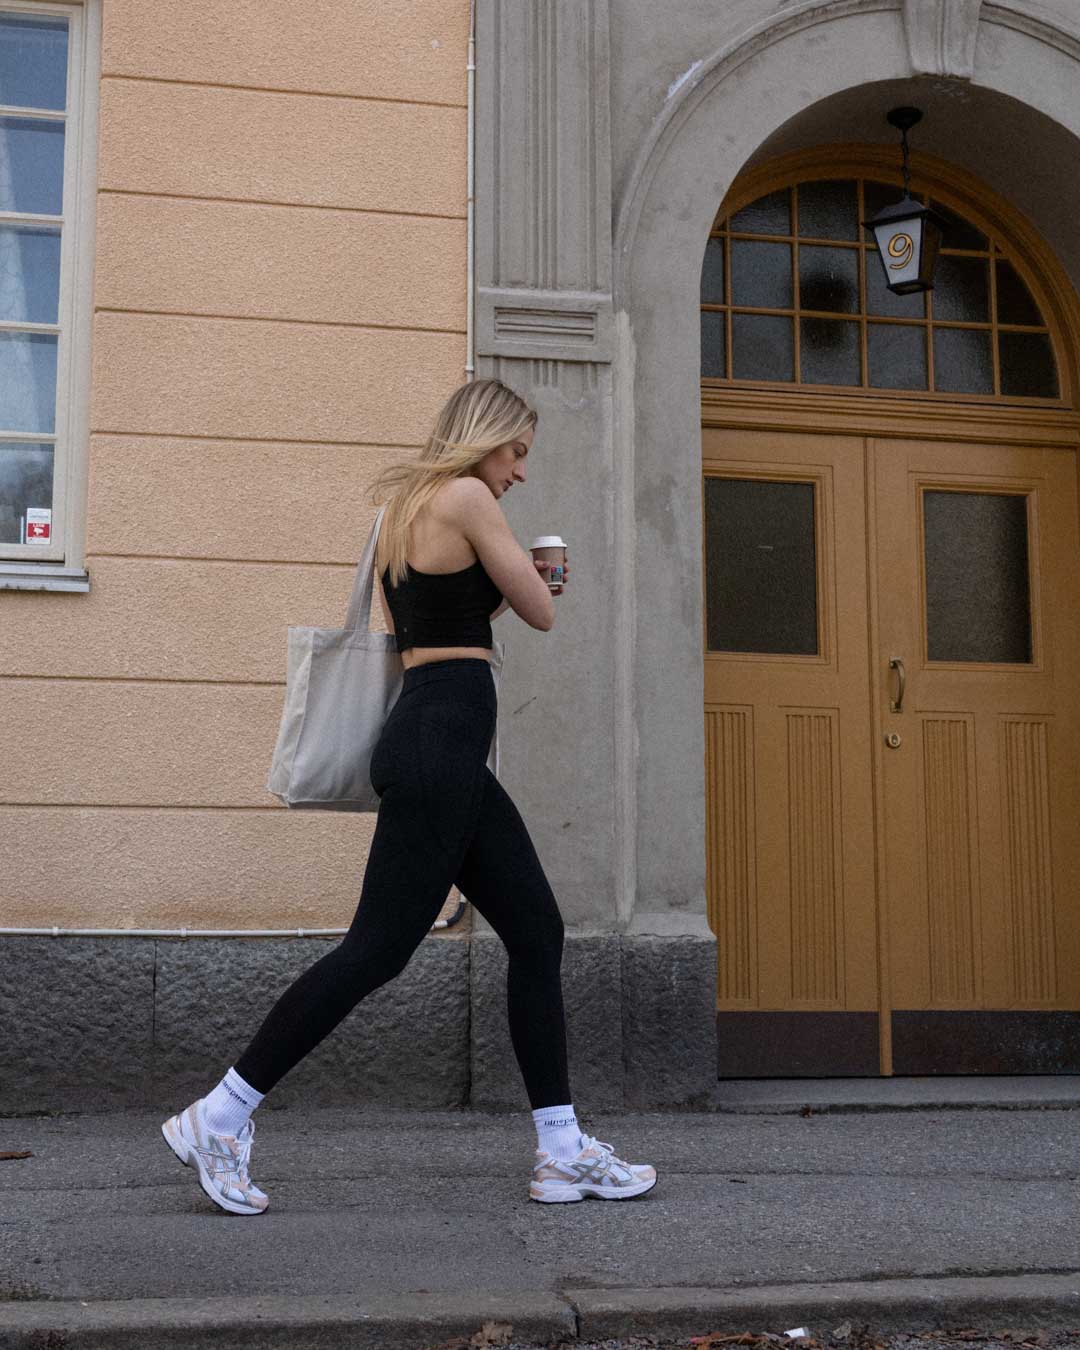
<point>280,299</point>
<point>640,1020</point>
<point>142,1022</point>
<point>92,1024</point>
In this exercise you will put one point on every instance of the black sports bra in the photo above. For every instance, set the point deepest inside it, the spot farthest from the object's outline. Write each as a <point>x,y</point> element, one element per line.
<point>442,609</point>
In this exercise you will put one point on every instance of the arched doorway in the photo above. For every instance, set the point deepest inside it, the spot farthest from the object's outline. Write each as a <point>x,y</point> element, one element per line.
<point>891,562</point>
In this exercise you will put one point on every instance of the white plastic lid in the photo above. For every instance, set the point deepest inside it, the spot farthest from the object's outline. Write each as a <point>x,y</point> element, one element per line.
<point>547,541</point>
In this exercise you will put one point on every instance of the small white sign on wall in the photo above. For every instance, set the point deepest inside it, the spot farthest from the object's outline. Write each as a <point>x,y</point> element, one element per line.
<point>38,525</point>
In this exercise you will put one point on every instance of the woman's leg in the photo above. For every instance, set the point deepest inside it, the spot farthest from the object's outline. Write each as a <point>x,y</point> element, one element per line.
<point>427,769</point>
<point>502,876</point>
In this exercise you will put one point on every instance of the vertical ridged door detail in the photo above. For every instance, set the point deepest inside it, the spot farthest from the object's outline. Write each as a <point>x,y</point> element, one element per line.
<point>729,841</point>
<point>949,829</point>
<point>1029,886</point>
<point>814,878</point>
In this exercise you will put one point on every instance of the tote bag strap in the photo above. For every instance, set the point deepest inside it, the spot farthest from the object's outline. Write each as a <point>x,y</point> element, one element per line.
<point>358,614</point>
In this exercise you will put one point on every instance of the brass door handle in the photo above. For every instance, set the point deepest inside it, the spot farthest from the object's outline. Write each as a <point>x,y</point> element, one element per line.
<point>897,704</point>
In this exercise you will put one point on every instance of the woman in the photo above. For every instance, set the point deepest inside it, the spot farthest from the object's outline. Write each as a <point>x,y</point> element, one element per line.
<point>446,559</point>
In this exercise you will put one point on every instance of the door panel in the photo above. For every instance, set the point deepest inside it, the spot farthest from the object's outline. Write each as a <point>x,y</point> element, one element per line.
<point>789,834</point>
<point>977,596</point>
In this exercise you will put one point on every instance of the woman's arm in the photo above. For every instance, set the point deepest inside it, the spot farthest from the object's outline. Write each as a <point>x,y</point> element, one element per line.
<point>540,567</point>
<point>468,505</point>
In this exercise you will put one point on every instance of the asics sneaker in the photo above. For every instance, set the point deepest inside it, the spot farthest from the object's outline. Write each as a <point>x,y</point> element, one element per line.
<point>595,1171</point>
<point>221,1160</point>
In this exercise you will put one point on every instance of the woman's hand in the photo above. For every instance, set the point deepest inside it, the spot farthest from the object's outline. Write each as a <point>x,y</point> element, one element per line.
<point>546,566</point>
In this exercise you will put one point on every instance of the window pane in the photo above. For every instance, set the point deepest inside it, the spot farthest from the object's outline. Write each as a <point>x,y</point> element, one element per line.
<point>958,233</point>
<point>977,606</point>
<point>760,566</point>
<point>1027,365</point>
<point>962,289</point>
<point>768,215</point>
<point>712,344</point>
<point>828,278</point>
<point>880,300</point>
<point>26,480</point>
<point>33,62</point>
<point>29,274</point>
<point>27,382</point>
<point>897,356</point>
<point>829,351</point>
<point>760,274</point>
<point>962,361</point>
<point>712,273</point>
<point>31,166</point>
<point>762,347</point>
<point>828,210</point>
<point>1014,300</point>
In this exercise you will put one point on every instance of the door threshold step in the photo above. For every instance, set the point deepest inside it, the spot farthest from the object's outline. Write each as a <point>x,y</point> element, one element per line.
<point>1012,1092</point>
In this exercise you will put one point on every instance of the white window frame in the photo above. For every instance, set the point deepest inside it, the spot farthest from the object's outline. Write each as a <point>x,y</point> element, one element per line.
<point>61,564</point>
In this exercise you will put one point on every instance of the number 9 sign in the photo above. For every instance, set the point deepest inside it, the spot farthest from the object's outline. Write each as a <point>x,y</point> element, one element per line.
<point>901,247</point>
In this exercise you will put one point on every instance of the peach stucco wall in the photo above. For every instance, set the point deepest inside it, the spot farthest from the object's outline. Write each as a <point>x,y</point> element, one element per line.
<point>279,307</point>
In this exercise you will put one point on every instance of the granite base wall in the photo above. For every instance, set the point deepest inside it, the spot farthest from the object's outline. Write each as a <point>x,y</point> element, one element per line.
<point>98,1023</point>
<point>640,1022</point>
<point>92,1024</point>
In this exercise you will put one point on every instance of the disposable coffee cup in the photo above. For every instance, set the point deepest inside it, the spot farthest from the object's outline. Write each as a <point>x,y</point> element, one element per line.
<point>550,548</point>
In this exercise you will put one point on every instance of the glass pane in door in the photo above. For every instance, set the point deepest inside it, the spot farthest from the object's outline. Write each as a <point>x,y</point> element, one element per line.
<point>760,566</point>
<point>977,585</point>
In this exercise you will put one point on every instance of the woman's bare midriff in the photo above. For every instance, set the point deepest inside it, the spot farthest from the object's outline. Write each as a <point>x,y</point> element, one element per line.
<point>435,547</point>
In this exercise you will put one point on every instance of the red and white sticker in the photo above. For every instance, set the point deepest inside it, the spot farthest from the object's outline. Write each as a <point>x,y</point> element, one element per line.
<point>38,525</point>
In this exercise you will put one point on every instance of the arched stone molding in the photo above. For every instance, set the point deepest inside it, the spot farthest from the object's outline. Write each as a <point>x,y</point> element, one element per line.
<point>711,124</point>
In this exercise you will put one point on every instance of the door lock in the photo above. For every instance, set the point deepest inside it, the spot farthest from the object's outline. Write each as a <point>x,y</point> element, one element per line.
<point>892,740</point>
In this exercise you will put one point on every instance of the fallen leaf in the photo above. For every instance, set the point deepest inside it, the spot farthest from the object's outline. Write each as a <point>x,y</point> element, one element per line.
<point>491,1333</point>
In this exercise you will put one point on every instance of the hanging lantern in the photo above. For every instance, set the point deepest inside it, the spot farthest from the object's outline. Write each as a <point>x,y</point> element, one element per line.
<point>907,233</point>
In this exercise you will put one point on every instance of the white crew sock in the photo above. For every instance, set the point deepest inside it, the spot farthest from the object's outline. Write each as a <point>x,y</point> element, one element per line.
<point>227,1108</point>
<point>557,1131</point>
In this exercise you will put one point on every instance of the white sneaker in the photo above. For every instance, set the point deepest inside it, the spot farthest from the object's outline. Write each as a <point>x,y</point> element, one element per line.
<point>595,1171</point>
<point>221,1160</point>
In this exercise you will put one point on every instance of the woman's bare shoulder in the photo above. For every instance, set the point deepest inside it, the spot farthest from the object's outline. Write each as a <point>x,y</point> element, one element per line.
<point>457,495</point>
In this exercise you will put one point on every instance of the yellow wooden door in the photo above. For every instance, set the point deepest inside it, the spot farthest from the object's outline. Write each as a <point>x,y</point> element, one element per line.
<point>892,891</point>
<point>978,601</point>
<point>788,760</point>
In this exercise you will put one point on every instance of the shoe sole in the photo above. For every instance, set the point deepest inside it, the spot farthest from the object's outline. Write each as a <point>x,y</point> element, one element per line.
<point>190,1158</point>
<point>567,1195</point>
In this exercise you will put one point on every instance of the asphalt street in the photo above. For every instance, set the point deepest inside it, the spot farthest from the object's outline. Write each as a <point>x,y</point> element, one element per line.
<point>758,1214</point>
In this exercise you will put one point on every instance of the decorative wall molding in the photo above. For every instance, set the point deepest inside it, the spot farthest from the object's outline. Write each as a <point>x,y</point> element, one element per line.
<point>543,324</point>
<point>1037,22</point>
<point>543,256</point>
<point>941,36</point>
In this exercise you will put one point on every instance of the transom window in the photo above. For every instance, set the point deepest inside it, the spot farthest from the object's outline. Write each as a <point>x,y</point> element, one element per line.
<point>792,291</point>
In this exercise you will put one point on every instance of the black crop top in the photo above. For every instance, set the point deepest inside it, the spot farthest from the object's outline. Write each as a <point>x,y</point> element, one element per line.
<point>442,609</point>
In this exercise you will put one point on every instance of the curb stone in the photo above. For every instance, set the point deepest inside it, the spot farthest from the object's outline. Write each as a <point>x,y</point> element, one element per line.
<point>424,1321</point>
<point>295,1322</point>
<point>1048,1301</point>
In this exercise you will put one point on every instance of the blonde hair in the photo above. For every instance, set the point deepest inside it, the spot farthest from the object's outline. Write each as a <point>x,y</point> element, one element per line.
<point>477,418</point>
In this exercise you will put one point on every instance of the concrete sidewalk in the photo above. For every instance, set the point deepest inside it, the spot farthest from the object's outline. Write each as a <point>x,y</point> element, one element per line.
<point>404,1228</point>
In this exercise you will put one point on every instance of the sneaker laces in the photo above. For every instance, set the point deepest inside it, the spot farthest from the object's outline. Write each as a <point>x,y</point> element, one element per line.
<point>244,1151</point>
<point>606,1150</point>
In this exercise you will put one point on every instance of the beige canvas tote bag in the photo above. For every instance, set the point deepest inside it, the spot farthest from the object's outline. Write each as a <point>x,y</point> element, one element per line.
<point>340,686</point>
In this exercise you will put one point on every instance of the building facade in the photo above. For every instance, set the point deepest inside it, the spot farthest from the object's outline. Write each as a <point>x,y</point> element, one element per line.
<point>799,756</point>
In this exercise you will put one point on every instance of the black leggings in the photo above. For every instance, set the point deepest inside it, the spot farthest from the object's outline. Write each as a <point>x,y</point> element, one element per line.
<point>443,819</point>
